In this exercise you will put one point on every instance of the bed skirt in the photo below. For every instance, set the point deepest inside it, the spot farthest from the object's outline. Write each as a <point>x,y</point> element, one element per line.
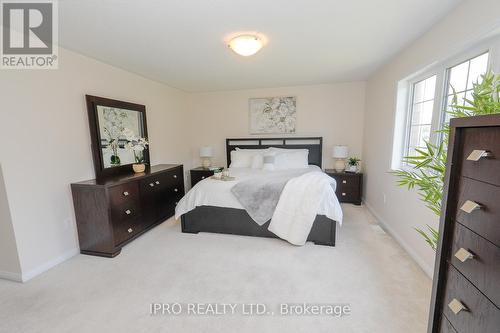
<point>237,222</point>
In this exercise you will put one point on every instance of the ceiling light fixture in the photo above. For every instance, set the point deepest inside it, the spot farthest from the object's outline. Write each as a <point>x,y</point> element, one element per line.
<point>246,45</point>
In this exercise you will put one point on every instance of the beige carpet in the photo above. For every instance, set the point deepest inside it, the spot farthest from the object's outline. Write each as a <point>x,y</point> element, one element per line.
<point>385,289</point>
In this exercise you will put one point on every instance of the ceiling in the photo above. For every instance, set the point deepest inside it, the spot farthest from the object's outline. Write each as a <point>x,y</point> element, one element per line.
<point>182,42</point>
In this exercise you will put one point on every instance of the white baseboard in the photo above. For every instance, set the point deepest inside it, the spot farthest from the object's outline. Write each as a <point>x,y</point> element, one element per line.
<point>17,277</point>
<point>429,270</point>
<point>49,264</point>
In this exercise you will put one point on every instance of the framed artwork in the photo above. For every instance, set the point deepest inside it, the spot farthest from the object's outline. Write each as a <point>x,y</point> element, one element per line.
<point>273,115</point>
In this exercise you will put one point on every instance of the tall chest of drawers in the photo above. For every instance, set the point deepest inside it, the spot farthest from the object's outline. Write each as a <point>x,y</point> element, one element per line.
<point>113,211</point>
<point>466,284</point>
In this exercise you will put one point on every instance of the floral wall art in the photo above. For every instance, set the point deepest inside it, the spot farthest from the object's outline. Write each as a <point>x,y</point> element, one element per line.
<point>273,115</point>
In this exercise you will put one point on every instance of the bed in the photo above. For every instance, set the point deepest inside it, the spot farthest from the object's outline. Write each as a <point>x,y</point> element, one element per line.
<point>210,207</point>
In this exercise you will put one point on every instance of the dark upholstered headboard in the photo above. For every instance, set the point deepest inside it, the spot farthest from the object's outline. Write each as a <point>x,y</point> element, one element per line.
<point>313,144</point>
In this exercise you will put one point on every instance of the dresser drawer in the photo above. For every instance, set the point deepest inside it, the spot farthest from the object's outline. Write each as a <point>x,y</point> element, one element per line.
<point>479,315</point>
<point>347,194</point>
<point>121,194</point>
<point>486,169</point>
<point>483,268</point>
<point>173,177</point>
<point>445,326</point>
<point>484,220</point>
<point>125,212</point>
<point>124,230</point>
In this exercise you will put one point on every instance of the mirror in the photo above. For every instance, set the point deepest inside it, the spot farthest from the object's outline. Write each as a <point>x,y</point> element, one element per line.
<point>112,123</point>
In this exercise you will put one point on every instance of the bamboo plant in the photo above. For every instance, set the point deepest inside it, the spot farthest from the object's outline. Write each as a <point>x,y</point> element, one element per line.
<point>428,165</point>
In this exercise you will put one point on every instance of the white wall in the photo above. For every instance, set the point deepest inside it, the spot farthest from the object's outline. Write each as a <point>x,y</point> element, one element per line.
<point>9,260</point>
<point>401,210</point>
<point>44,117</point>
<point>334,111</point>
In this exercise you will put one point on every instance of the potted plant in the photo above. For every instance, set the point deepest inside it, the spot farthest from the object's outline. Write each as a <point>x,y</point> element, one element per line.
<point>353,164</point>
<point>137,146</point>
<point>429,164</point>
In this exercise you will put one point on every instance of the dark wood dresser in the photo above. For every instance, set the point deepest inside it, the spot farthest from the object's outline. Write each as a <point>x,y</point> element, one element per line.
<point>466,284</point>
<point>113,211</point>
<point>349,186</point>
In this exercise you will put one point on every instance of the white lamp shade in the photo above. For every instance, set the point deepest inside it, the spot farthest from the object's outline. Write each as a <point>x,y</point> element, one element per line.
<point>340,152</point>
<point>206,151</point>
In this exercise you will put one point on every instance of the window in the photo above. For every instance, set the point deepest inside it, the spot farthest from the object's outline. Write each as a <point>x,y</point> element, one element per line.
<point>423,98</point>
<point>461,77</point>
<point>420,114</point>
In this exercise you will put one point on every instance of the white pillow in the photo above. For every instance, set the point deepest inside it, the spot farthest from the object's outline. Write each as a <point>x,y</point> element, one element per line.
<point>244,158</point>
<point>269,160</point>
<point>287,150</point>
<point>297,159</point>
<point>240,159</point>
<point>257,161</point>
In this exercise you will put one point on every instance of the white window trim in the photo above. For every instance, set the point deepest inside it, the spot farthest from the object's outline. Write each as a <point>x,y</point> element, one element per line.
<point>405,91</point>
<point>409,107</point>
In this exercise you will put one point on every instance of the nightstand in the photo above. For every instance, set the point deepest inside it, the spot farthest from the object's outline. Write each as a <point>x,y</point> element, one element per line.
<point>349,186</point>
<point>198,174</point>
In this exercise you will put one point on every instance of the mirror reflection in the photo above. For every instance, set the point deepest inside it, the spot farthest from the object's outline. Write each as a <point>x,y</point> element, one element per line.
<point>115,125</point>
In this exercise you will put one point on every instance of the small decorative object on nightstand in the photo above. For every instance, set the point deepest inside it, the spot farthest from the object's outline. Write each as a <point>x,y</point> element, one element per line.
<point>353,164</point>
<point>340,153</point>
<point>201,173</point>
<point>206,154</point>
<point>349,186</point>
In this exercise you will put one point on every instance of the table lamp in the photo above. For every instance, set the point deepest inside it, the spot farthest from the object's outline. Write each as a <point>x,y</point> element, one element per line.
<point>206,154</point>
<point>340,153</point>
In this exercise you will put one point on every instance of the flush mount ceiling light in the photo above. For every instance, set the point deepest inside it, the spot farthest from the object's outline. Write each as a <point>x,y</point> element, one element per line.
<point>246,45</point>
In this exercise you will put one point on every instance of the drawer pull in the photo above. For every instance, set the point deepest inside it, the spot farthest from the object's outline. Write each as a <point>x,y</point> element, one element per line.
<point>125,194</point>
<point>152,184</point>
<point>176,190</point>
<point>157,182</point>
<point>469,206</point>
<point>456,306</point>
<point>476,155</point>
<point>344,182</point>
<point>128,212</point>
<point>463,255</point>
<point>343,194</point>
<point>175,176</point>
<point>130,230</point>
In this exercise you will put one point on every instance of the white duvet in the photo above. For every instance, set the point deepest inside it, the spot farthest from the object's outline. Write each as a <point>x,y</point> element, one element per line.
<point>294,214</point>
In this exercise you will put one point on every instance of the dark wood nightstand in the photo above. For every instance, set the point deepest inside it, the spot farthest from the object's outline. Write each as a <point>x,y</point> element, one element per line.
<point>349,186</point>
<point>198,174</point>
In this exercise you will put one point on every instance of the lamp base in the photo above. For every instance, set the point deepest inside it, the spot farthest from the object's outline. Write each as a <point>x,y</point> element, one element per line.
<point>206,163</point>
<point>339,165</point>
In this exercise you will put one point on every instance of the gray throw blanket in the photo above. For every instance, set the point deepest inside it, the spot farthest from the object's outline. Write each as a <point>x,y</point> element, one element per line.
<point>260,195</point>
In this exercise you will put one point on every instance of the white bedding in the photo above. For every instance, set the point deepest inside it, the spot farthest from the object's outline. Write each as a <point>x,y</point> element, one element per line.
<point>211,192</point>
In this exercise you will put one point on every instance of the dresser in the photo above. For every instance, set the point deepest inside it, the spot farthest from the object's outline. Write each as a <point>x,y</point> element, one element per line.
<point>112,211</point>
<point>466,284</point>
<point>198,174</point>
<point>349,186</point>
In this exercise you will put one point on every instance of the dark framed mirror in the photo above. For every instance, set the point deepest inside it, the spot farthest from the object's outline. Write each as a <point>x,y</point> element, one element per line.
<point>110,122</point>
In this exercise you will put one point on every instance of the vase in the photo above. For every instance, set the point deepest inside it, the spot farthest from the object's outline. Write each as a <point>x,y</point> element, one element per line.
<point>138,168</point>
<point>115,160</point>
<point>352,168</point>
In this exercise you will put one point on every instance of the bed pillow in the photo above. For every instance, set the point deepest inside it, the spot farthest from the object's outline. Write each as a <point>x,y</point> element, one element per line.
<point>297,159</point>
<point>240,159</point>
<point>257,161</point>
<point>287,150</point>
<point>269,162</point>
<point>247,158</point>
